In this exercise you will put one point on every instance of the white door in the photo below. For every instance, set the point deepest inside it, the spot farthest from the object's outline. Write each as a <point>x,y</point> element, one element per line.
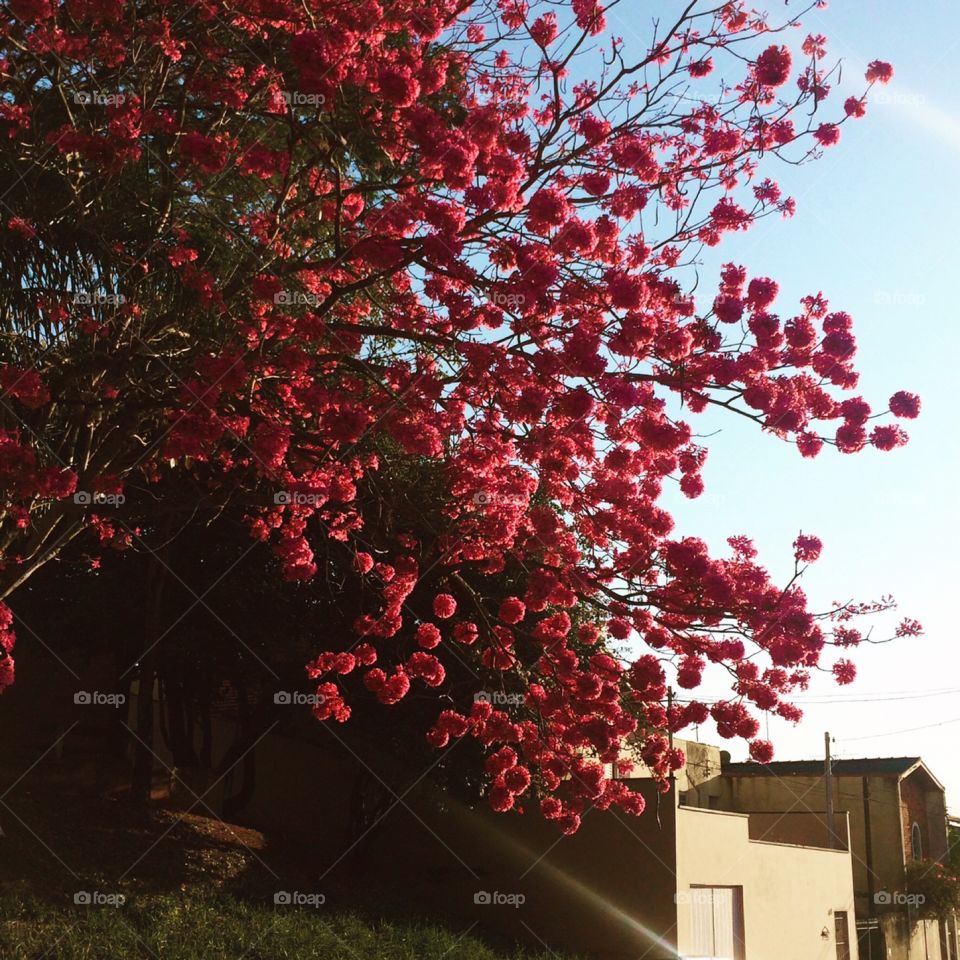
<point>716,923</point>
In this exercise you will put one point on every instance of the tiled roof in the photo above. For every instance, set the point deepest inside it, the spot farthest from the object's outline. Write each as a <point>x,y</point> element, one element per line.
<point>865,767</point>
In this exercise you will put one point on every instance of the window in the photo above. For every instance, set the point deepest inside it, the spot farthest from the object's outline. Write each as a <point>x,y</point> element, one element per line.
<point>915,842</point>
<point>841,928</point>
<point>716,928</point>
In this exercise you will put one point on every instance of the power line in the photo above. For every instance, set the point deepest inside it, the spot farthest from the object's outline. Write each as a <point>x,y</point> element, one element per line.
<point>893,733</point>
<point>878,697</point>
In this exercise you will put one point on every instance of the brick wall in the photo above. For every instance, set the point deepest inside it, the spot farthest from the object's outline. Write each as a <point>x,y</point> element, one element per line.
<point>913,809</point>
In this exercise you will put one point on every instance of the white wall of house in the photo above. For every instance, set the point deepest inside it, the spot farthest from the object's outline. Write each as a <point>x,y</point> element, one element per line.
<point>790,894</point>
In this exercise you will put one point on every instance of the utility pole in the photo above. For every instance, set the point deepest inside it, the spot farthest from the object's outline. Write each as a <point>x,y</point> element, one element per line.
<point>673,779</point>
<point>828,783</point>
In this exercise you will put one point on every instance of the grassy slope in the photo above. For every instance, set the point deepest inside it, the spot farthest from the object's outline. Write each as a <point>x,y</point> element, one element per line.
<point>195,889</point>
<point>214,926</point>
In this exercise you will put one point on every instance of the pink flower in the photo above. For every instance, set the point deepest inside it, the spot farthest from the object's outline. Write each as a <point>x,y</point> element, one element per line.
<point>905,405</point>
<point>700,68</point>
<point>596,184</point>
<point>517,779</point>
<point>626,292</point>
<point>619,628</point>
<point>850,438</point>
<point>761,292</point>
<point>588,633</point>
<point>691,485</point>
<point>21,226</point>
<point>364,562</point>
<point>854,107</point>
<point>551,808</point>
<point>855,410</point>
<point>840,344</point>
<point>330,704</point>
<point>544,29</point>
<point>398,85</point>
<point>394,689</point>
<point>500,761</point>
<point>845,671</point>
<point>365,654</point>
<point>728,309</point>
<point>427,667</point>
<point>878,71</point>
<point>888,437</point>
<point>548,208</point>
<point>806,548</point>
<point>444,606</point>
<point>690,672</point>
<point>512,610</point>
<point>589,15</point>
<point>773,66</point>
<point>827,134</point>
<point>427,636</point>
<point>761,751</point>
<point>466,633</point>
<point>207,153</point>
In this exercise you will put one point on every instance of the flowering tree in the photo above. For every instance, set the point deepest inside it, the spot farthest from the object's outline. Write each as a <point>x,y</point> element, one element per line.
<point>933,890</point>
<point>272,248</point>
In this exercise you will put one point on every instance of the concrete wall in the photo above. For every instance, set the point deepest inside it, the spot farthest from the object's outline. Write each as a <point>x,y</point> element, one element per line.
<point>880,867</point>
<point>606,893</point>
<point>789,892</point>
<point>800,829</point>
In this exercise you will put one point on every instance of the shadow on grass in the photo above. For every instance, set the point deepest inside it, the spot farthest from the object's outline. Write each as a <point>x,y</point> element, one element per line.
<point>83,878</point>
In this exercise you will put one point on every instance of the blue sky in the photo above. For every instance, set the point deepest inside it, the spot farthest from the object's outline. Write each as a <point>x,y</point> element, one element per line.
<point>870,232</point>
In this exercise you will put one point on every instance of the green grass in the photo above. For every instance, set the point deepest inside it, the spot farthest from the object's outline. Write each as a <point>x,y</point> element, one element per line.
<point>211,925</point>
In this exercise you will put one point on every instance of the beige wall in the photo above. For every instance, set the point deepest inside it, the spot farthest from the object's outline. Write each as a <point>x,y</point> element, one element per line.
<point>789,892</point>
<point>795,794</point>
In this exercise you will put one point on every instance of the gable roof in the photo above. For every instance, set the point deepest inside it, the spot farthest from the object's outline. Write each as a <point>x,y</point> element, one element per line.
<point>863,767</point>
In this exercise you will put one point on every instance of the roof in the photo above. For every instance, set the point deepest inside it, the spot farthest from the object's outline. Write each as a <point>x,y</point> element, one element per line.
<point>863,767</point>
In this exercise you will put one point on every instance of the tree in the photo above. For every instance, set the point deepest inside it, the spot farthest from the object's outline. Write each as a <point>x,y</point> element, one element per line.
<point>263,248</point>
<point>933,890</point>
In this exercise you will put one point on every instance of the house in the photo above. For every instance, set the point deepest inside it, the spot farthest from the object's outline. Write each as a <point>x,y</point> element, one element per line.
<point>896,810</point>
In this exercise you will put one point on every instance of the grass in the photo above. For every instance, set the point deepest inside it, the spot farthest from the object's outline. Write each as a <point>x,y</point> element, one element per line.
<point>212,925</point>
<point>193,888</point>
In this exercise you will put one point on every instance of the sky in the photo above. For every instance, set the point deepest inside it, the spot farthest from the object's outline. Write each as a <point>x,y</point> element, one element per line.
<point>871,232</point>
